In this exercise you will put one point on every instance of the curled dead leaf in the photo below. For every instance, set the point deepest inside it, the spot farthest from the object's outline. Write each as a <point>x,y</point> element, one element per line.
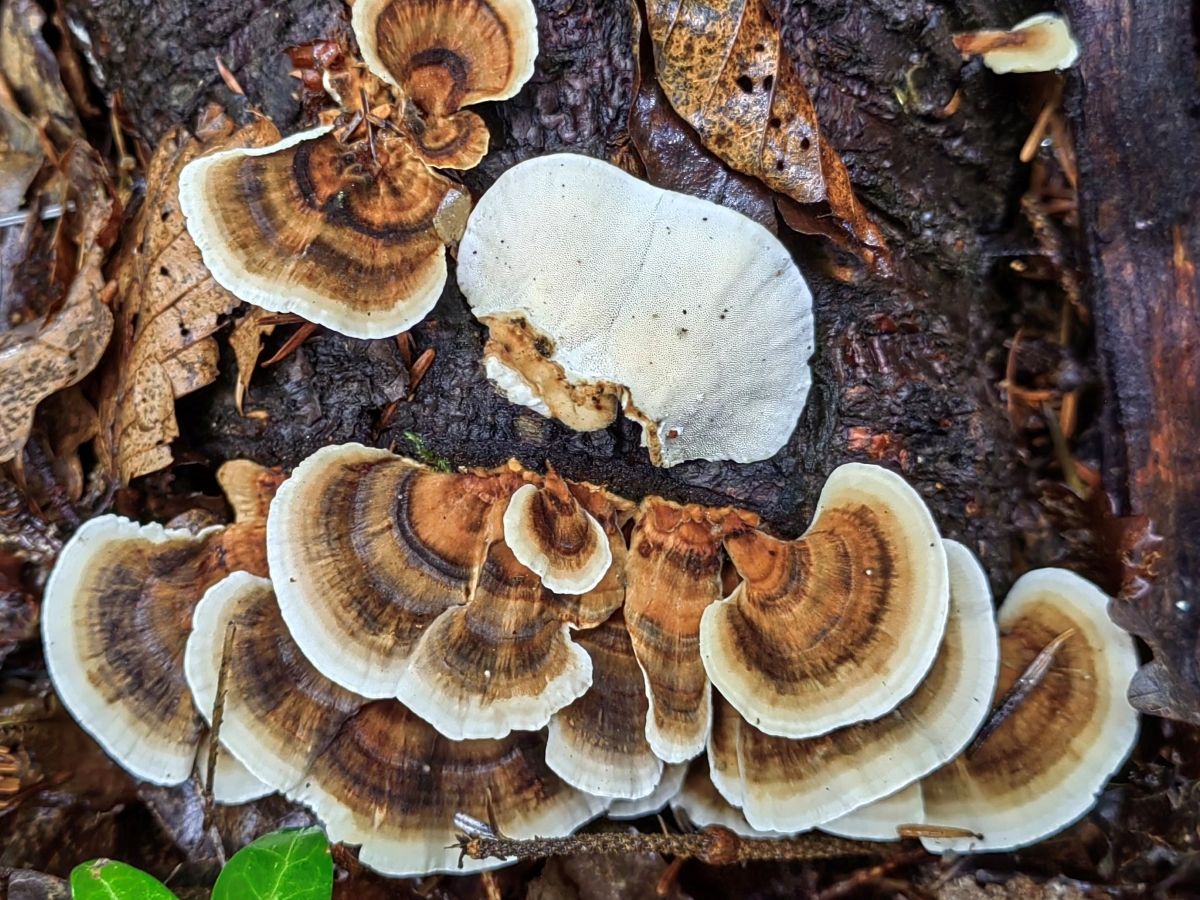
<point>47,354</point>
<point>722,65</point>
<point>246,339</point>
<point>168,307</point>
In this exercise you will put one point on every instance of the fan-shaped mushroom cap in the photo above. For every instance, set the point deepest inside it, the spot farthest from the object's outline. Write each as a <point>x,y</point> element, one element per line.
<point>115,617</point>
<point>374,772</point>
<point>317,227</point>
<point>1041,43</point>
<point>1053,751</point>
<point>673,573</point>
<point>882,819</point>
<point>366,550</point>
<point>550,533</point>
<point>792,785</point>
<point>668,786</point>
<point>447,54</point>
<point>502,662</point>
<point>665,290</point>
<point>598,743</point>
<point>840,625</point>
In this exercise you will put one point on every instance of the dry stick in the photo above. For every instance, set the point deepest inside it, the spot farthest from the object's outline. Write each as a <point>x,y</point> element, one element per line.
<point>214,731</point>
<point>714,845</point>
<point>1034,675</point>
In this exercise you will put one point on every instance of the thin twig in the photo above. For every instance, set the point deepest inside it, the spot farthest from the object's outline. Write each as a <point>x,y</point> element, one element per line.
<point>1034,675</point>
<point>218,715</point>
<point>714,845</point>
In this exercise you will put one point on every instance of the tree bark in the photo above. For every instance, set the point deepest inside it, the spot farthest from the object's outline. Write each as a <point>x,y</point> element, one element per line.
<point>1137,126</point>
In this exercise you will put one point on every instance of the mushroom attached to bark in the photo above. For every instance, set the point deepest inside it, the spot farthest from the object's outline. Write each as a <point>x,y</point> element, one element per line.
<point>366,550</point>
<point>792,785</point>
<point>1041,43</point>
<point>116,615</point>
<point>551,534</point>
<point>443,55</point>
<point>601,291</point>
<point>1060,725</point>
<point>345,234</point>
<point>839,625</point>
<point>673,573</point>
<point>374,773</point>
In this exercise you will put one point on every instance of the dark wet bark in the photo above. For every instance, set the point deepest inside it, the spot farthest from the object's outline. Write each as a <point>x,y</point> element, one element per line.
<point>1137,121</point>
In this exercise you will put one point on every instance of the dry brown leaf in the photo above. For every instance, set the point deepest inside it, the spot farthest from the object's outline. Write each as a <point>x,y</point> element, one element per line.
<point>722,66</point>
<point>45,355</point>
<point>246,340</point>
<point>168,307</point>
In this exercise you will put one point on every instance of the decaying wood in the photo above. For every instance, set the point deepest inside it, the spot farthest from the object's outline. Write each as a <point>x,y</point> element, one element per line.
<point>1138,147</point>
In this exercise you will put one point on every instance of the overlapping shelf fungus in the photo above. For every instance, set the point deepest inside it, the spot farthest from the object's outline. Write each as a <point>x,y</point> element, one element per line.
<point>401,645</point>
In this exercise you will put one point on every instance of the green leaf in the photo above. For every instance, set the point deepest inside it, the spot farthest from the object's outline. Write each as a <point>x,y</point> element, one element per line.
<point>106,879</point>
<point>293,864</point>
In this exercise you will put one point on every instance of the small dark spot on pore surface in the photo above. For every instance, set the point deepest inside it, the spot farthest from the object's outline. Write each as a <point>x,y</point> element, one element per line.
<point>768,82</point>
<point>805,143</point>
<point>746,83</point>
<point>774,121</point>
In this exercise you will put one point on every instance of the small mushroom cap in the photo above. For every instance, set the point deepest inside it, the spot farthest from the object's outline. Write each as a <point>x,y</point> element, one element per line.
<point>366,549</point>
<point>793,785</point>
<point>673,573</point>
<point>115,616</point>
<point>550,533</point>
<point>502,662</point>
<point>459,141</point>
<point>447,54</point>
<point>1041,43</point>
<point>702,803</point>
<point>1042,767</point>
<point>881,820</point>
<point>840,625</point>
<point>691,312</point>
<point>374,772</point>
<point>668,786</point>
<point>598,743</point>
<point>314,226</point>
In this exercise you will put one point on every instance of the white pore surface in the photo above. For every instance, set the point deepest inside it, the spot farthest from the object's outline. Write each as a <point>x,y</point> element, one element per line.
<point>1055,49</point>
<point>697,310</point>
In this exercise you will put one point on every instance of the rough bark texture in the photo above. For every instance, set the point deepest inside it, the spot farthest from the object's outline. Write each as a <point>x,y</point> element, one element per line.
<point>1138,144</point>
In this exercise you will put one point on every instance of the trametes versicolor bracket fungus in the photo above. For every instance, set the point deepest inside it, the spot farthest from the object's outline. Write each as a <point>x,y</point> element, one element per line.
<point>376,774</point>
<point>346,224</point>
<point>789,785</point>
<point>602,292</point>
<point>1041,43</point>
<point>116,614</point>
<point>404,581</point>
<point>1061,725</point>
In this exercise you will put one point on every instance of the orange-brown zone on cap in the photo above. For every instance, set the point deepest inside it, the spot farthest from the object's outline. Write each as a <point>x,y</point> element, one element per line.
<point>134,617</point>
<point>399,777</point>
<point>506,642</point>
<point>608,723</point>
<point>390,546</point>
<point>1050,727</point>
<point>807,608</point>
<point>673,573</point>
<point>560,526</point>
<point>295,710</point>
<point>583,406</point>
<point>459,141</point>
<point>324,217</point>
<point>446,53</point>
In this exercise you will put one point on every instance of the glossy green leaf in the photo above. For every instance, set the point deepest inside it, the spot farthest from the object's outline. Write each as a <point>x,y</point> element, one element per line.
<point>107,879</point>
<point>293,864</point>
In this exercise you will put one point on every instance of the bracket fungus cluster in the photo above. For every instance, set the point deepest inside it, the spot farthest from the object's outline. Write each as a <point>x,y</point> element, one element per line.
<point>514,646</point>
<point>347,223</point>
<point>602,292</point>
